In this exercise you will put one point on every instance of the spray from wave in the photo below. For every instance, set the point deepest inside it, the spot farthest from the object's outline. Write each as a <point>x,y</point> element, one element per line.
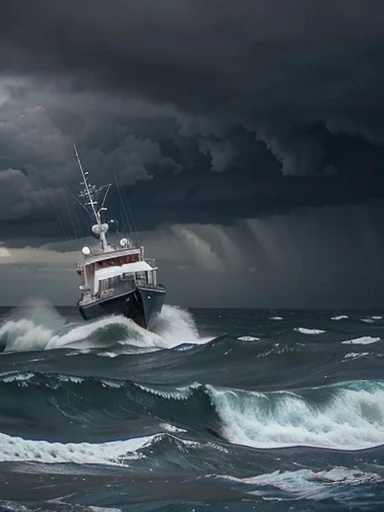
<point>37,325</point>
<point>116,452</point>
<point>344,416</point>
<point>306,483</point>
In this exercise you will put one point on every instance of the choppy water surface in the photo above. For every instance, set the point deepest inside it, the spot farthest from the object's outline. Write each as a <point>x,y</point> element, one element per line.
<point>216,410</point>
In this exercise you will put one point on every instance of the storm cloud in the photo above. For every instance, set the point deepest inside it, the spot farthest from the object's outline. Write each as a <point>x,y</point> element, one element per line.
<point>207,113</point>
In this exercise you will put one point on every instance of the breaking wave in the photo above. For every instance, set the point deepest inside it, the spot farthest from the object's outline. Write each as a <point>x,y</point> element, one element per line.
<point>115,452</point>
<point>344,416</point>
<point>44,329</point>
<point>306,483</point>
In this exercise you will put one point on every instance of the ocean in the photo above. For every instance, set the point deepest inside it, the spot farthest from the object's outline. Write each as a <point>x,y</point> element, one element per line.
<point>212,410</point>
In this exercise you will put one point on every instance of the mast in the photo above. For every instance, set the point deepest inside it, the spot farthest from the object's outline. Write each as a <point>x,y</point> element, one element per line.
<point>88,191</point>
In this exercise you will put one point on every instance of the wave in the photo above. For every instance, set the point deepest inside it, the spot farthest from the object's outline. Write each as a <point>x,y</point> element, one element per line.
<point>363,340</point>
<point>347,416</point>
<point>344,416</point>
<point>44,329</point>
<point>305,483</point>
<point>304,330</point>
<point>248,338</point>
<point>111,453</point>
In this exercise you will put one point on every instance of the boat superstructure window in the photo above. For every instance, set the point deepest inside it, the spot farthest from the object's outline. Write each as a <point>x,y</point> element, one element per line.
<point>107,284</point>
<point>141,278</point>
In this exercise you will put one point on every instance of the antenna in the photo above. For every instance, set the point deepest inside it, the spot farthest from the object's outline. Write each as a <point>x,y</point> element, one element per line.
<point>105,197</point>
<point>88,191</point>
<point>85,183</point>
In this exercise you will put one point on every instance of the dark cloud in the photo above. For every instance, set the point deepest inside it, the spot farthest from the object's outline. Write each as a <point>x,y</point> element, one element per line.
<point>273,69</point>
<point>268,65</point>
<point>208,113</point>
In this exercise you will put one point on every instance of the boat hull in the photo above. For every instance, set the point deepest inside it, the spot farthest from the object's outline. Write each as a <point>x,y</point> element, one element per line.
<point>142,305</point>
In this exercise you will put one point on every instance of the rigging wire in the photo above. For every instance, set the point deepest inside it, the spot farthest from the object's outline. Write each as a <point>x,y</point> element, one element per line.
<point>70,214</point>
<point>57,214</point>
<point>129,220</point>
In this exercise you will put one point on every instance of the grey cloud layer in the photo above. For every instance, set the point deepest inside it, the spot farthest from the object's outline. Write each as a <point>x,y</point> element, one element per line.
<point>270,66</point>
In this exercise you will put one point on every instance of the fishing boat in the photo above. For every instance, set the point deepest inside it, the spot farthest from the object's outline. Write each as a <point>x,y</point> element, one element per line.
<point>115,278</point>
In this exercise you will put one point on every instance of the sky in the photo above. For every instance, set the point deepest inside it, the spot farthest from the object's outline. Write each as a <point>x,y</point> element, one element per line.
<point>248,138</point>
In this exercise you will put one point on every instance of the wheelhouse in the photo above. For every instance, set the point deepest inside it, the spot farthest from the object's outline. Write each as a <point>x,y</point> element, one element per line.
<point>115,272</point>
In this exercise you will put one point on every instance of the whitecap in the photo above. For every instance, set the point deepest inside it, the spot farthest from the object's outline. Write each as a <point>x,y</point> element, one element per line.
<point>172,428</point>
<point>114,452</point>
<point>304,330</point>
<point>363,340</point>
<point>352,420</point>
<point>355,355</point>
<point>174,326</point>
<point>307,483</point>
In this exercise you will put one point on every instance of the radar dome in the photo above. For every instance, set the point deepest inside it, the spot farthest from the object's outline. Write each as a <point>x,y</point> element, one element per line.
<point>96,229</point>
<point>86,251</point>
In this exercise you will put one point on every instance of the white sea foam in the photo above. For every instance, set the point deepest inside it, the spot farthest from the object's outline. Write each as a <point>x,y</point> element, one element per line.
<point>111,355</point>
<point>304,330</point>
<point>376,317</point>
<point>70,378</point>
<point>352,419</point>
<point>248,338</point>
<point>173,327</point>
<point>363,340</point>
<point>115,452</point>
<point>314,485</point>
<point>276,318</point>
<point>355,355</point>
<point>23,334</point>
<point>170,393</point>
<point>21,378</point>
<point>103,509</point>
<point>340,317</point>
<point>171,428</point>
<point>176,326</point>
<point>111,384</point>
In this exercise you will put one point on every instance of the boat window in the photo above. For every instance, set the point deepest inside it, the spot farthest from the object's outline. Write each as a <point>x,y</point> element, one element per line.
<point>130,258</point>
<point>113,281</point>
<point>141,278</point>
<point>103,285</point>
<point>106,284</point>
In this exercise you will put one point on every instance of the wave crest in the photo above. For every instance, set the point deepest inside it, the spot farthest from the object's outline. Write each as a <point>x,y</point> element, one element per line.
<point>44,329</point>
